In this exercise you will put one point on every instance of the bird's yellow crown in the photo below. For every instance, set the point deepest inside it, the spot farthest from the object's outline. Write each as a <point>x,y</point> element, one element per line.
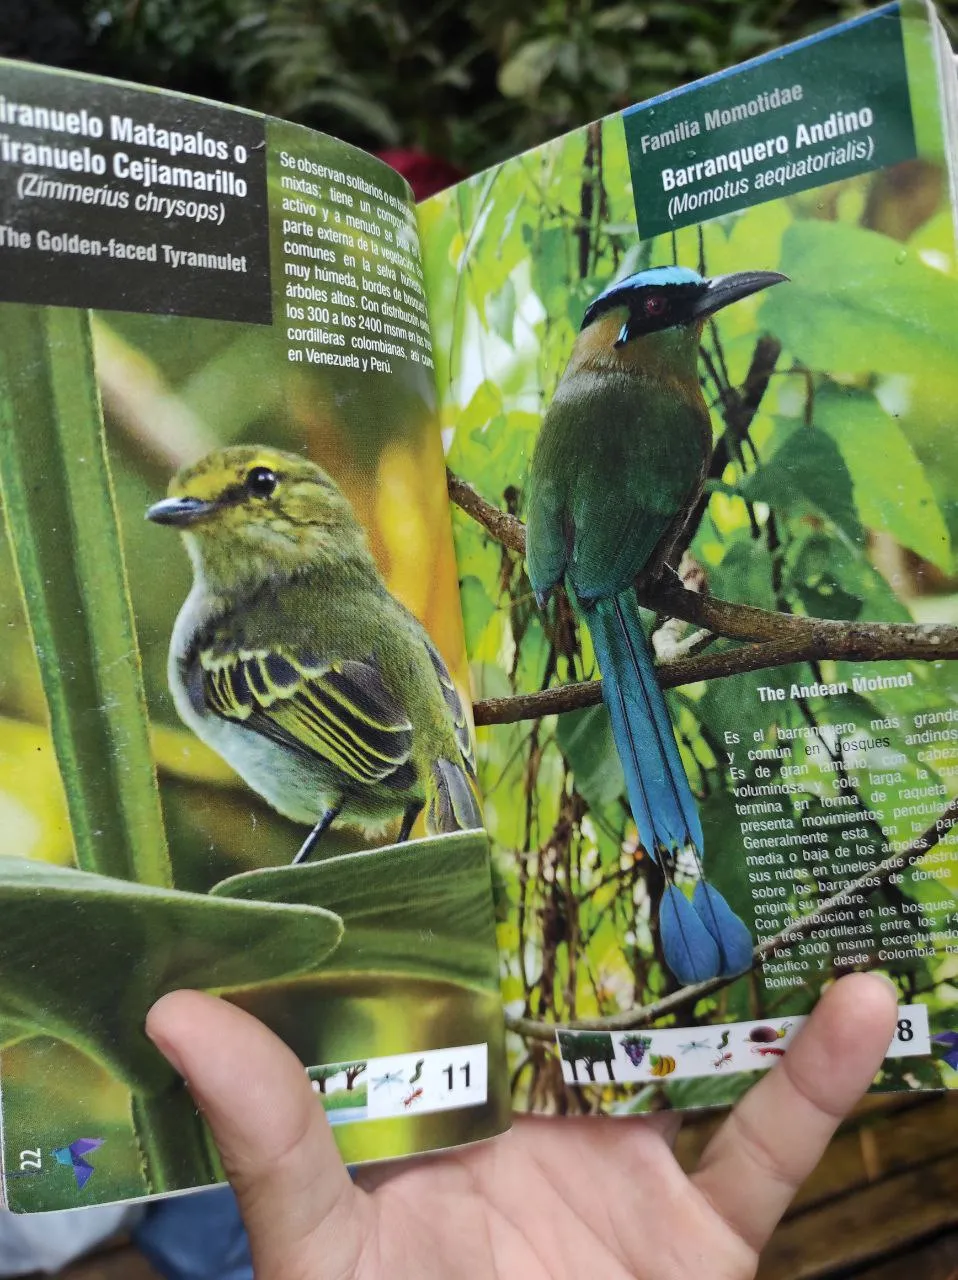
<point>252,510</point>
<point>224,474</point>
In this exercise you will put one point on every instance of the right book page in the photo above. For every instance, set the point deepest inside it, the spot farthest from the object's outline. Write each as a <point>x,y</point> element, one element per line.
<point>698,383</point>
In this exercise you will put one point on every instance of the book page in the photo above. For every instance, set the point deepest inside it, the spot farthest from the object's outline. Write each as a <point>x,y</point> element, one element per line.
<point>232,640</point>
<point>698,386</point>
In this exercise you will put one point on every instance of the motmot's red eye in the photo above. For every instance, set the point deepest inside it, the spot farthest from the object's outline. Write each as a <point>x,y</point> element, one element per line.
<point>655,305</point>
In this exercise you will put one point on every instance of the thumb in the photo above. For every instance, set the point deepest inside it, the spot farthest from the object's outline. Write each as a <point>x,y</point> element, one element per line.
<point>277,1148</point>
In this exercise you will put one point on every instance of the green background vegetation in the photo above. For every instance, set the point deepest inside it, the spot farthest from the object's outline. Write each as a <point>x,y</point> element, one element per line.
<point>472,82</point>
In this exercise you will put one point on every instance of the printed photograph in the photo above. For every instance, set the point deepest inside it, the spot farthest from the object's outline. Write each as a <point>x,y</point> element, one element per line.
<point>714,470</point>
<point>236,748</point>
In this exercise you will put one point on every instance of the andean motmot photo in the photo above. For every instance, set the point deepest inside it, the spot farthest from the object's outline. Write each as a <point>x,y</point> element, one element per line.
<point>619,464</point>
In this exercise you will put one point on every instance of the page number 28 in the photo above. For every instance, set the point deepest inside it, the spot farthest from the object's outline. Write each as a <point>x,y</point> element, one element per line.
<point>449,1073</point>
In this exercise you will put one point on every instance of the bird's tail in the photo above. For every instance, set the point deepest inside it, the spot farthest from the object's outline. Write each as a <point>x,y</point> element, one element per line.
<point>450,800</point>
<point>703,938</point>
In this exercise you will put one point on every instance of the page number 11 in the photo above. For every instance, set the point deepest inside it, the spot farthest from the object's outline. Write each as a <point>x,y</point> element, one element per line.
<point>449,1073</point>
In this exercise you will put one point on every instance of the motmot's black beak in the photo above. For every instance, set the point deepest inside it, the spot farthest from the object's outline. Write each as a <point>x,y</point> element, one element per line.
<point>721,290</point>
<point>179,511</point>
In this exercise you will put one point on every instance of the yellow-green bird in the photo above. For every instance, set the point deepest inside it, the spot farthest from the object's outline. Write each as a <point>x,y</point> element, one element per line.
<point>291,659</point>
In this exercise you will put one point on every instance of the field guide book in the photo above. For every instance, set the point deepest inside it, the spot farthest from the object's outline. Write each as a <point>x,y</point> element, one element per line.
<point>507,644</point>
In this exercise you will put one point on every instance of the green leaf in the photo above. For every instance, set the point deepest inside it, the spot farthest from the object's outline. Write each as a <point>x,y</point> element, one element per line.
<point>484,407</point>
<point>891,490</point>
<point>621,17</point>
<point>477,609</point>
<point>819,574</point>
<point>84,956</point>
<point>585,739</point>
<point>808,468</point>
<point>60,516</point>
<point>859,301</point>
<point>501,311</point>
<point>529,66</point>
<point>12,1032</point>
<point>423,908</point>
<point>745,573</point>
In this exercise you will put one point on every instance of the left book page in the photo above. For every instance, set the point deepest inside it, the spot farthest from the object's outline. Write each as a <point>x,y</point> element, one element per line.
<point>215,320</point>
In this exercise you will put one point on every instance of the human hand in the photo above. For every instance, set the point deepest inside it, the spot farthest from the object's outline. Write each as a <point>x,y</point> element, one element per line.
<point>553,1198</point>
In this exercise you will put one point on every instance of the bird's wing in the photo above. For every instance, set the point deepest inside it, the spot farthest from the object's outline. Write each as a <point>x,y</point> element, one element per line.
<point>549,532</point>
<point>455,708</point>
<point>339,711</point>
<point>615,466</point>
<point>644,470</point>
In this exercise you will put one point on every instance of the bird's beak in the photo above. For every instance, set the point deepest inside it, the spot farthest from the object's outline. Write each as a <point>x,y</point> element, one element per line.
<point>179,511</point>
<point>721,290</point>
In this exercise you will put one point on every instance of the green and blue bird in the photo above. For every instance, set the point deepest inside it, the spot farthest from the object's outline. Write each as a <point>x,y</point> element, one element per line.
<point>620,462</point>
<point>293,661</point>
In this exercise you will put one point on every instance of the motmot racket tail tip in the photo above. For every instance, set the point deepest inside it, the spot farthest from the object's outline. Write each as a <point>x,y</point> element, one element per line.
<point>702,938</point>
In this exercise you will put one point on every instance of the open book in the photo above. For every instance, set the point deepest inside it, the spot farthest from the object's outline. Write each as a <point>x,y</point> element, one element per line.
<point>363,727</point>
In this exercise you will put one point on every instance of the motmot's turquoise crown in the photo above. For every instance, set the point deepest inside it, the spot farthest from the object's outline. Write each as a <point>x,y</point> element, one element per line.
<point>672,275</point>
<point>666,297</point>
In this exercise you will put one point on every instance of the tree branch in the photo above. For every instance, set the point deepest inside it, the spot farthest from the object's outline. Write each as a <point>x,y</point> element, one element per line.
<point>851,642</point>
<point>506,529</point>
<point>865,885</point>
<point>777,638</point>
<point>739,407</point>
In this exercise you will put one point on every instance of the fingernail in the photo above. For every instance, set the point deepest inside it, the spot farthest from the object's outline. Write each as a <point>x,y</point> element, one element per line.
<point>168,1050</point>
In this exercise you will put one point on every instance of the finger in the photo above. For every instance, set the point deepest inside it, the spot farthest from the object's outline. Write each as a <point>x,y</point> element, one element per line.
<point>776,1135</point>
<point>276,1144</point>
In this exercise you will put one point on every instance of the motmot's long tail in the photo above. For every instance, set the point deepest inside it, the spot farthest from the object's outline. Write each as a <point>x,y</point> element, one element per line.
<point>703,938</point>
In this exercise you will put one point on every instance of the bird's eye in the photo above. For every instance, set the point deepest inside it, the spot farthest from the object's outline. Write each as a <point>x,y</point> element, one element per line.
<point>261,482</point>
<point>655,305</point>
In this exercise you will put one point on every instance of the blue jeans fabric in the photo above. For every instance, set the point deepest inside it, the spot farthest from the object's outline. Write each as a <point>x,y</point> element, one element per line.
<point>196,1237</point>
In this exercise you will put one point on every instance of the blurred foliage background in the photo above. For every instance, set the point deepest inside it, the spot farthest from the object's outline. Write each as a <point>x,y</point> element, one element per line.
<point>468,82</point>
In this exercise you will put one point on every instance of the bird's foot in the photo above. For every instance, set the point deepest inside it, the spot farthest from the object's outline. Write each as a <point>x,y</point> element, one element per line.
<point>408,820</point>
<point>308,846</point>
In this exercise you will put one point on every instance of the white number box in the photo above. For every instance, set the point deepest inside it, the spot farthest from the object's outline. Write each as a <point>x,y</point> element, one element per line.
<point>433,1080</point>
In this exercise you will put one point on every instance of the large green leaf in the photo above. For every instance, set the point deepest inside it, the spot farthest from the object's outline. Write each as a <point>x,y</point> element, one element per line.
<point>423,908</point>
<point>84,956</point>
<point>59,510</point>
<point>477,609</point>
<point>861,302</point>
<point>891,489</point>
<point>808,469</point>
<point>585,738</point>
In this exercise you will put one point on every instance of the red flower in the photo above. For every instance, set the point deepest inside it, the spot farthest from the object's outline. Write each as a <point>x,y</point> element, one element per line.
<point>425,174</point>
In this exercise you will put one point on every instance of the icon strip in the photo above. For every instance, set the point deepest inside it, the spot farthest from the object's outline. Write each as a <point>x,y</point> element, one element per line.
<point>405,1084</point>
<point>684,1053</point>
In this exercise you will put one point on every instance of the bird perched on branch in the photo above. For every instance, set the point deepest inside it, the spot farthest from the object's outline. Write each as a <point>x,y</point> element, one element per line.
<point>291,659</point>
<point>620,461</point>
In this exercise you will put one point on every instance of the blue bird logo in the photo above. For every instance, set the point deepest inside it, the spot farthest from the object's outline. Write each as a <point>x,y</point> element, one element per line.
<point>73,1156</point>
